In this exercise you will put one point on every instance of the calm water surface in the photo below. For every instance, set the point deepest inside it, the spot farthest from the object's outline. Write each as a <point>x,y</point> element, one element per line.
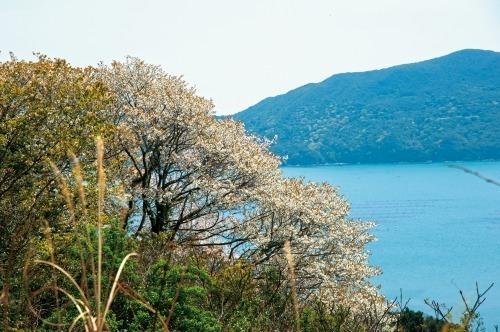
<point>438,228</point>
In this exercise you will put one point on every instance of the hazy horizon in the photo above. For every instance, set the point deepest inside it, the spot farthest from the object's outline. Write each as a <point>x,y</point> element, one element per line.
<point>238,53</point>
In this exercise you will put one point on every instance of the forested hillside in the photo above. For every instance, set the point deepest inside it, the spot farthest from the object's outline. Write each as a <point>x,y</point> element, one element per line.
<point>446,108</point>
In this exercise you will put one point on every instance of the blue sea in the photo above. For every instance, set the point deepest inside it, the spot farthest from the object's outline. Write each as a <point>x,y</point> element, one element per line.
<point>438,228</point>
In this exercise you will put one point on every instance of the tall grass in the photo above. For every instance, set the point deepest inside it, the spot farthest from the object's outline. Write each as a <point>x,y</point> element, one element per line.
<point>92,309</point>
<point>287,248</point>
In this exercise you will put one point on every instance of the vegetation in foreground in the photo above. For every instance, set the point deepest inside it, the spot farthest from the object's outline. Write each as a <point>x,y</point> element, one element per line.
<point>182,222</point>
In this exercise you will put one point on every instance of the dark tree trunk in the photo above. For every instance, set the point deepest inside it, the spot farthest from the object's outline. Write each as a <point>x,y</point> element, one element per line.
<point>161,217</point>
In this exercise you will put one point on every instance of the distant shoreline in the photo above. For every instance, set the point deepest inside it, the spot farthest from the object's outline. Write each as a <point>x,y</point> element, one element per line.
<point>392,163</point>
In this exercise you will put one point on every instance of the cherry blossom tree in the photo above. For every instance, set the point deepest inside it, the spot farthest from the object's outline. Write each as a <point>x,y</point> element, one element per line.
<point>329,249</point>
<point>188,173</point>
<point>206,182</point>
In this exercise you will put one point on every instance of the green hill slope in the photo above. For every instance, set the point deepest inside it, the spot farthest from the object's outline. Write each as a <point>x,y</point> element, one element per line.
<point>446,108</point>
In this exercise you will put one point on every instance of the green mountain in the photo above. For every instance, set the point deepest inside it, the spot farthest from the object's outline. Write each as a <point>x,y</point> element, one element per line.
<point>443,109</point>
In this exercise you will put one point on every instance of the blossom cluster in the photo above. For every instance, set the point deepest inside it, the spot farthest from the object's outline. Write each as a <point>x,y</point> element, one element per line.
<point>205,181</point>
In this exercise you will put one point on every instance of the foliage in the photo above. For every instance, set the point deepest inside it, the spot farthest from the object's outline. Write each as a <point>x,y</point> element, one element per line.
<point>437,110</point>
<point>416,321</point>
<point>225,243</point>
<point>47,108</point>
<point>204,182</point>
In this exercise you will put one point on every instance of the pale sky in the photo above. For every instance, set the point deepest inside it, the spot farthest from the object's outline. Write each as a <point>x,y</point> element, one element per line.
<point>238,52</point>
